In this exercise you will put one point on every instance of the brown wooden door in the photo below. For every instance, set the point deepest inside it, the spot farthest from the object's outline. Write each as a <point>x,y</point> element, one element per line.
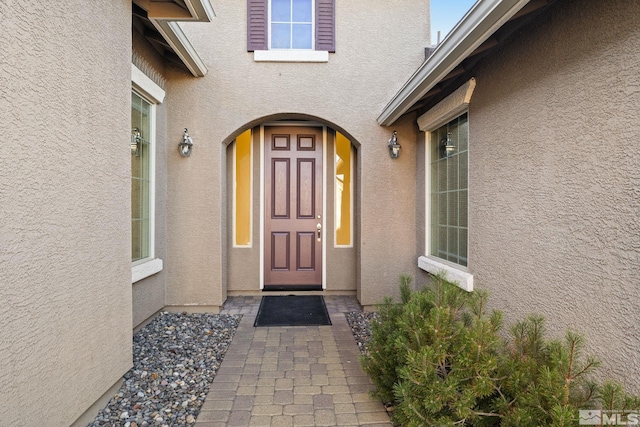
<point>293,208</point>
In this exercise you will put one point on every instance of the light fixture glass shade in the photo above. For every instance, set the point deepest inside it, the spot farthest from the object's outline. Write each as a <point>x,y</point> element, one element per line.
<point>186,146</point>
<point>394,146</point>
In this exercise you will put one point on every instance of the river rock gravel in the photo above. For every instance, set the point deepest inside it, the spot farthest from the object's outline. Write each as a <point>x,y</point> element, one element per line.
<point>360,323</point>
<point>175,359</point>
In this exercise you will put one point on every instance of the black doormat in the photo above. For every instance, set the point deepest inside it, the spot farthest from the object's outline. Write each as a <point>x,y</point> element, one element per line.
<point>307,310</point>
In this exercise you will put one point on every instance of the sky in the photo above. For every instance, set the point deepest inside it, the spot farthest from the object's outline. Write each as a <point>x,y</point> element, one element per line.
<point>445,14</point>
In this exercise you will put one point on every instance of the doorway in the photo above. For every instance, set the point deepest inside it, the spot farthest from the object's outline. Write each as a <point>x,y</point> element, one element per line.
<point>293,207</point>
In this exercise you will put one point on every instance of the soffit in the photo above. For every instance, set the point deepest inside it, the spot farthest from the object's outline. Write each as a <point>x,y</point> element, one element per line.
<point>156,21</point>
<point>486,26</point>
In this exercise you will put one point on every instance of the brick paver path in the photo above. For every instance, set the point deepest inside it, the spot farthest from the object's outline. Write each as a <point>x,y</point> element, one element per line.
<point>291,376</point>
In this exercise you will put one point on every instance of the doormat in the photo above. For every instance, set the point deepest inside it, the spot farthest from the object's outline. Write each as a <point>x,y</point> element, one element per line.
<point>307,310</point>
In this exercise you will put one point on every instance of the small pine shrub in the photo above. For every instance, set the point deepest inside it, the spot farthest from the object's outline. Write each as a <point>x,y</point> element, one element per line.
<point>438,358</point>
<point>384,358</point>
<point>545,382</point>
<point>451,359</point>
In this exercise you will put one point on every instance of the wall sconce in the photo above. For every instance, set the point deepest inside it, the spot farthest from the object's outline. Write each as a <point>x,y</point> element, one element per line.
<point>394,146</point>
<point>136,141</point>
<point>446,145</point>
<point>186,145</point>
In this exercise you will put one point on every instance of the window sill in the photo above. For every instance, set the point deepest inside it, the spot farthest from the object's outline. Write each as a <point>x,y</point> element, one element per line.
<point>146,269</point>
<point>291,56</point>
<point>455,275</point>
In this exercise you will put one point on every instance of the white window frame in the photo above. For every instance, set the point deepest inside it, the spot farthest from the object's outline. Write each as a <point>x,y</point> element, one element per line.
<point>146,88</point>
<point>291,55</point>
<point>448,109</point>
<point>313,29</point>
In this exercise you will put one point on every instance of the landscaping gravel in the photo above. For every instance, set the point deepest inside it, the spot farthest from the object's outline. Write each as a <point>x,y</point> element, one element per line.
<point>360,322</point>
<point>175,359</point>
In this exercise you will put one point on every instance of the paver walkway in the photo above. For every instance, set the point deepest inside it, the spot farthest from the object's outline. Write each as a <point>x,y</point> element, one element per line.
<point>291,376</point>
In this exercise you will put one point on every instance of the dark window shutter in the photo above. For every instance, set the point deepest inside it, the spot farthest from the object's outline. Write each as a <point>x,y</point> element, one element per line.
<point>325,25</point>
<point>257,25</point>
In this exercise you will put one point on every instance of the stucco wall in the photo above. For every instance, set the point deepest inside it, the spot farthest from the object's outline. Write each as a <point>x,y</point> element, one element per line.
<point>378,47</point>
<point>555,177</point>
<point>65,261</point>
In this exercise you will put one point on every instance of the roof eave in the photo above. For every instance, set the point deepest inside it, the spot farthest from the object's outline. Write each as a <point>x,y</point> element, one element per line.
<point>196,10</point>
<point>201,10</point>
<point>173,34</point>
<point>484,18</point>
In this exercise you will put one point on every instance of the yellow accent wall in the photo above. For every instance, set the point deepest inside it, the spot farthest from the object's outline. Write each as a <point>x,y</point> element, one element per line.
<point>343,190</point>
<point>242,197</point>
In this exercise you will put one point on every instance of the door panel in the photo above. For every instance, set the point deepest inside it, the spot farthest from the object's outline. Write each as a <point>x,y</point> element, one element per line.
<point>293,207</point>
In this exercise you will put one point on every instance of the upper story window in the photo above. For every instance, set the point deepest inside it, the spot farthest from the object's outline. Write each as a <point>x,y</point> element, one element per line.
<point>291,24</point>
<point>291,30</point>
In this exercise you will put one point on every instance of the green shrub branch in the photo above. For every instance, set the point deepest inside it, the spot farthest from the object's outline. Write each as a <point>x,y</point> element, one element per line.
<point>438,358</point>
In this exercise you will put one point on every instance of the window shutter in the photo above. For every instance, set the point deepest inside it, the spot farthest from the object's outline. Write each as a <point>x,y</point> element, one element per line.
<point>257,25</point>
<point>325,25</point>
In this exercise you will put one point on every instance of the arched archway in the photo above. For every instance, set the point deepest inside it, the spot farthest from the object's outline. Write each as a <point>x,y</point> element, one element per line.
<point>302,171</point>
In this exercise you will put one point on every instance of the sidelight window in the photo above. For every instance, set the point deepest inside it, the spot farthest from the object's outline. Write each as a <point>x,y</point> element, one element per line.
<point>141,178</point>
<point>242,189</point>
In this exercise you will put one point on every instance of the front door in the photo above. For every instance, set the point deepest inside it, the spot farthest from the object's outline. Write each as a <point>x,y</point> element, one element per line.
<point>293,208</point>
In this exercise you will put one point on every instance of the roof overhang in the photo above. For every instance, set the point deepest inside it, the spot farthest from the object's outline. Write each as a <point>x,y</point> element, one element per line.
<point>163,16</point>
<point>477,26</point>
<point>178,10</point>
<point>181,46</point>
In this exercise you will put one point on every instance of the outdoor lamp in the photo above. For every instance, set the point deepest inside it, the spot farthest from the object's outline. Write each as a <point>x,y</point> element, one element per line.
<point>186,145</point>
<point>136,140</point>
<point>394,146</point>
<point>447,145</point>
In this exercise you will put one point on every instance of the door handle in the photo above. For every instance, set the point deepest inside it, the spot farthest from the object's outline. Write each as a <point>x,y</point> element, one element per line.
<point>319,230</point>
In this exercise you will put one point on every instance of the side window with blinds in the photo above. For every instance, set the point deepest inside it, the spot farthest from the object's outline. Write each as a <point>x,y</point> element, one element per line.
<point>289,25</point>
<point>449,191</point>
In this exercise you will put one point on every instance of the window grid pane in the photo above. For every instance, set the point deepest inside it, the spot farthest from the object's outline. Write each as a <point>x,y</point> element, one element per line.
<point>449,193</point>
<point>280,36</point>
<point>302,11</point>
<point>301,37</point>
<point>281,10</point>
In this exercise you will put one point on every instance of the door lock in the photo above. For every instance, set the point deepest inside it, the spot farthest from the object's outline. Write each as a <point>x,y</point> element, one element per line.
<point>319,229</point>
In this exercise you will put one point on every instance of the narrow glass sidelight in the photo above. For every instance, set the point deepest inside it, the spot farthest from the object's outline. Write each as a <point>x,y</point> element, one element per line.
<point>343,191</point>
<point>242,181</point>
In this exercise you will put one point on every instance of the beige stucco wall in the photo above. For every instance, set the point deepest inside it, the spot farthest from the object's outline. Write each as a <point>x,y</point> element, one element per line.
<point>555,177</point>
<point>65,261</point>
<point>378,47</point>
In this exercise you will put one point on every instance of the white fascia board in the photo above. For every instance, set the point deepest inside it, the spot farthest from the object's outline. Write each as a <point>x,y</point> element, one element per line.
<point>201,10</point>
<point>181,45</point>
<point>482,20</point>
<point>146,86</point>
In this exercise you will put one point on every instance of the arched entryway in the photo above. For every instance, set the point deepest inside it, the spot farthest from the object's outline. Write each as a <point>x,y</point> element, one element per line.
<point>292,222</point>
